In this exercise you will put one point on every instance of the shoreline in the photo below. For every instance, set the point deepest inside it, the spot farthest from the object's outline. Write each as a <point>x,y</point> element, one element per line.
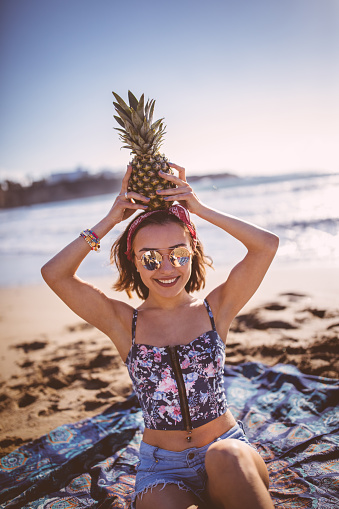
<point>56,369</point>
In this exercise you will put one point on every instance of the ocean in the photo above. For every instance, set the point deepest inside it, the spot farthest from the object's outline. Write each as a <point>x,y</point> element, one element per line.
<point>303,209</point>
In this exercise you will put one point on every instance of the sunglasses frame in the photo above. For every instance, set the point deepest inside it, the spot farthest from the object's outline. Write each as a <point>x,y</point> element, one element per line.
<point>162,256</point>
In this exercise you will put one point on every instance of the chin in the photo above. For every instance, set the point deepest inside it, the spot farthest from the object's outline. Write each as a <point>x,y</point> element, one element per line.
<point>173,290</point>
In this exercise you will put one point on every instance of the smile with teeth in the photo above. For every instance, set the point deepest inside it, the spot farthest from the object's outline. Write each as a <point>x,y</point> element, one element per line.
<point>167,281</point>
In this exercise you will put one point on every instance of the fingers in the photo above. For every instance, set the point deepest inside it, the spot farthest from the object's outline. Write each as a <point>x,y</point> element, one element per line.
<point>186,197</point>
<point>181,185</point>
<point>179,181</point>
<point>128,199</point>
<point>129,205</point>
<point>131,195</point>
<point>178,194</point>
<point>124,184</point>
<point>171,192</point>
<point>135,206</point>
<point>180,169</point>
<point>183,191</point>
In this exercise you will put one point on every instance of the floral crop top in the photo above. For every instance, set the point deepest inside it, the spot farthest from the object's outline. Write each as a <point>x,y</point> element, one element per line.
<point>179,387</point>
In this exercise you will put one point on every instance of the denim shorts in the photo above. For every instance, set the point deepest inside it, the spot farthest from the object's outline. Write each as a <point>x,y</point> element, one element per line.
<point>186,468</point>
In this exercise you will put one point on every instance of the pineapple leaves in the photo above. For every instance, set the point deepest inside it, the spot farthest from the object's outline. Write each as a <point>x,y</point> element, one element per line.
<point>140,108</point>
<point>158,139</point>
<point>139,134</point>
<point>121,132</point>
<point>150,137</point>
<point>132,132</point>
<point>122,112</point>
<point>141,142</point>
<point>147,107</point>
<point>120,122</point>
<point>158,124</point>
<point>137,122</point>
<point>144,129</point>
<point>121,102</point>
<point>150,118</point>
<point>133,101</point>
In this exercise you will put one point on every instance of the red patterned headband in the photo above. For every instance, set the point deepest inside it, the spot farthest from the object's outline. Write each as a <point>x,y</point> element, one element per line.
<point>176,210</point>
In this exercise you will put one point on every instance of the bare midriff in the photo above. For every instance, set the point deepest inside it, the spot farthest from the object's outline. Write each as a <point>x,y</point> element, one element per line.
<point>177,440</point>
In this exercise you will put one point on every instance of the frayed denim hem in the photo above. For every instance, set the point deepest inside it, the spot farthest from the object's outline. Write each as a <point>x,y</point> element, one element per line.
<point>181,485</point>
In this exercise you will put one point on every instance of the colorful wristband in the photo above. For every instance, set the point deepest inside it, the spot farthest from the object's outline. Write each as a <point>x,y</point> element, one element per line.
<point>92,239</point>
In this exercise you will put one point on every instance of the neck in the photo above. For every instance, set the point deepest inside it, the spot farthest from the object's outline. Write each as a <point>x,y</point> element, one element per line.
<point>158,302</point>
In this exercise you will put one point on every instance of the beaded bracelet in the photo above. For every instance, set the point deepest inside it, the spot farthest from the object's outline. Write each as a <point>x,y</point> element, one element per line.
<point>91,239</point>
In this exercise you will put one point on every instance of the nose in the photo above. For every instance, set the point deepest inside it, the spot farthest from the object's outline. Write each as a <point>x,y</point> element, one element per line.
<point>166,265</point>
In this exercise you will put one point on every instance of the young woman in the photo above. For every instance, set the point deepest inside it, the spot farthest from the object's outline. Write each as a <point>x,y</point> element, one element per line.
<point>193,453</point>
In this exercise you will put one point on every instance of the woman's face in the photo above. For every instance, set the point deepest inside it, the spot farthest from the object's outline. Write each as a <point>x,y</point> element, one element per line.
<point>167,280</point>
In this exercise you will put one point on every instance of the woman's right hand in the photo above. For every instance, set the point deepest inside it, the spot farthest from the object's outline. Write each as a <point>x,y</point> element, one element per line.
<point>124,205</point>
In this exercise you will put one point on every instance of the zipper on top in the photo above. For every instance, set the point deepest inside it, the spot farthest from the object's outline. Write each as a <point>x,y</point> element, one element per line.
<point>181,390</point>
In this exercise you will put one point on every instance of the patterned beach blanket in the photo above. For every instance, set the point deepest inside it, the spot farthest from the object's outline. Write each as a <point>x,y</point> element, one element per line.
<point>291,417</point>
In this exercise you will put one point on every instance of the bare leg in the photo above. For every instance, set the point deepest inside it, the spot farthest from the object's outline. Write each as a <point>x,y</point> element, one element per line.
<point>169,497</point>
<point>237,476</point>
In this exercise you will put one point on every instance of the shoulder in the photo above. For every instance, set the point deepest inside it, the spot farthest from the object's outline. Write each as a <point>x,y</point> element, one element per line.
<point>222,314</point>
<point>120,330</point>
<point>122,312</point>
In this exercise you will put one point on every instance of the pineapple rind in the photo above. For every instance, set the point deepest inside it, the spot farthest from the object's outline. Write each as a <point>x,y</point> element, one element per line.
<point>145,179</point>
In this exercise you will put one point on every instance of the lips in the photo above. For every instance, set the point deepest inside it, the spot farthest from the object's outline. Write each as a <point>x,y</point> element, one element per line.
<point>167,282</point>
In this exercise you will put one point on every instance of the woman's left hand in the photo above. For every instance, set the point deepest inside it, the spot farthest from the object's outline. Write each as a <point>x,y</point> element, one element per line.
<point>183,193</point>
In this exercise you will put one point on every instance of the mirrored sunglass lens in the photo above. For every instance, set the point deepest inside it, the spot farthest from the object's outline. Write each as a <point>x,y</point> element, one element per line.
<point>179,256</point>
<point>151,260</point>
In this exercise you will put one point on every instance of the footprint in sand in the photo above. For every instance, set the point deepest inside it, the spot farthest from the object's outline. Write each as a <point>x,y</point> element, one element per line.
<point>254,321</point>
<point>105,395</point>
<point>319,313</point>
<point>28,347</point>
<point>26,400</point>
<point>333,326</point>
<point>93,405</point>
<point>27,364</point>
<point>274,306</point>
<point>4,400</point>
<point>293,296</point>
<point>79,327</point>
<point>95,384</point>
<point>103,361</point>
<point>15,442</point>
<point>56,382</point>
<point>50,370</point>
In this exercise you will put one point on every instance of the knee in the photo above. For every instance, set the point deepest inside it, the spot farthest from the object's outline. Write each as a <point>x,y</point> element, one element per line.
<point>227,455</point>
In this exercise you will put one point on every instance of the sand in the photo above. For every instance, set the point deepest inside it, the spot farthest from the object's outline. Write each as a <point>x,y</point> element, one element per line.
<point>56,369</point>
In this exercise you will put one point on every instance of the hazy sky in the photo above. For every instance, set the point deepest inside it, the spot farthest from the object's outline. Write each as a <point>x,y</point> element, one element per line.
<point>244,85</point>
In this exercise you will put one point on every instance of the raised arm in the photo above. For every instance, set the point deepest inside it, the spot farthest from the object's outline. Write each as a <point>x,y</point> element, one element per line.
<point>244,279</point>
<point>85,300</point>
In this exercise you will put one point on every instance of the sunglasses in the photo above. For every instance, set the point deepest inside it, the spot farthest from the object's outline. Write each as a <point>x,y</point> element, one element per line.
<point>152,259</point>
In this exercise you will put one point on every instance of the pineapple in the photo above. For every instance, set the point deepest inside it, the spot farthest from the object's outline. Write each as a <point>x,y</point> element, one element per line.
<point>143,138</point>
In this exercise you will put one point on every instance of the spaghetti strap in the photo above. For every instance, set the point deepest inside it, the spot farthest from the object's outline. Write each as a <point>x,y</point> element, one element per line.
<point>134,325</point>
<point>210,314</point>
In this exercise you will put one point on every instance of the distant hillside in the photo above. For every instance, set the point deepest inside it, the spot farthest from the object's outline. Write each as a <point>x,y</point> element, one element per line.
<point>68,186</point>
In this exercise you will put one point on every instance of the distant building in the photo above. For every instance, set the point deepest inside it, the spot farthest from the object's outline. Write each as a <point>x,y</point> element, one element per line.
<point>68,176</point>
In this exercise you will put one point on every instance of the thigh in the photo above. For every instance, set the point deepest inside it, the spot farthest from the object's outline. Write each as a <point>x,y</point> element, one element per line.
<point>221,453</point>
<point>237,476</point>
<point>261,467</point>
<point>168,497</point>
